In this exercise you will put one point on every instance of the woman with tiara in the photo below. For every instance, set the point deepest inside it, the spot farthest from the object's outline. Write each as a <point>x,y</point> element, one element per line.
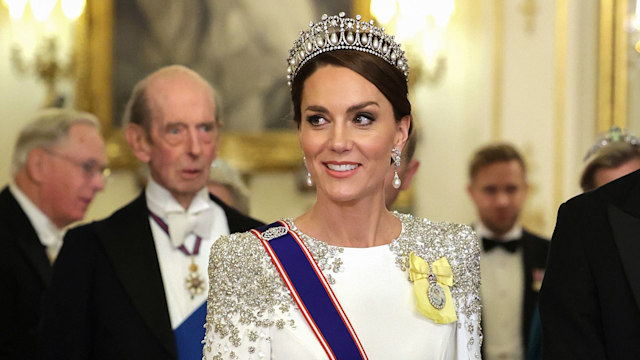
<point>347,279</point>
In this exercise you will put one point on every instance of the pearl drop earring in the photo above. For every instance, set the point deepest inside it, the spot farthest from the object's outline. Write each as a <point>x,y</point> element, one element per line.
<point>396,156</point>
<point>309,180</point>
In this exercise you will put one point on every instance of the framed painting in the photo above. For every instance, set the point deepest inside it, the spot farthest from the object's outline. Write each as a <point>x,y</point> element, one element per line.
<point>239,46</point>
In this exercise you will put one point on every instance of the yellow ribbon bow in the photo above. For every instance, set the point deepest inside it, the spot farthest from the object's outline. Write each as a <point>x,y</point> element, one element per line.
<point>440,307</point>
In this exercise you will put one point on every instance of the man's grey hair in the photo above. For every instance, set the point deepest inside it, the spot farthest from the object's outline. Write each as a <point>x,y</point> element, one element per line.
<point>47,128</point>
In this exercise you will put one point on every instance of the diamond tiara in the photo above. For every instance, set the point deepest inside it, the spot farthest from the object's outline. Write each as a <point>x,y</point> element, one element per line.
<point>343,33</point>
<point>615,134</point>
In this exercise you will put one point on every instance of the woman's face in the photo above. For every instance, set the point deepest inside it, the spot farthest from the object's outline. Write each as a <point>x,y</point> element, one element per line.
<point>347,132</point>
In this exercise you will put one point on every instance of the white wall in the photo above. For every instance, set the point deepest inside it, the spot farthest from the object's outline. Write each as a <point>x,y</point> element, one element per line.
<point>456,114</point>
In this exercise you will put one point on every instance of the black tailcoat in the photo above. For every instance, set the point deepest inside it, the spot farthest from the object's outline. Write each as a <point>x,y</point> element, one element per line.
<point>107,299</point>
<point>534,258</point>
<point>24,274</point>
<point>590,299</point>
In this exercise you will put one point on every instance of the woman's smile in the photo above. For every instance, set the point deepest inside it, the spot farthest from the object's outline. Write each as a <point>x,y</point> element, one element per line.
<point>348,133</point>
<point>341,169</point>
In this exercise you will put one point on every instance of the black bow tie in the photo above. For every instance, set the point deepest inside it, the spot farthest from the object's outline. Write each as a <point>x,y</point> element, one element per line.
<point>510,246</point>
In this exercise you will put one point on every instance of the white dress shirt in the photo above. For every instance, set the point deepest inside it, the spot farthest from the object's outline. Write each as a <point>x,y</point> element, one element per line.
<point>174,264</point>
<point>502,294</point>
<point>50,235</point>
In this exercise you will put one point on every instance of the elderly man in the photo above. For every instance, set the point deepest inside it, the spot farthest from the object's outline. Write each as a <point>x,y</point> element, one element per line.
<point>133,286</point>
<point>513,259</point>
<point>57,168</point>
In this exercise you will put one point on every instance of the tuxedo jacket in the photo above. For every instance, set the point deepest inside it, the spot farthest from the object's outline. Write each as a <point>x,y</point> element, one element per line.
<point>107,299</point>
<point>534,259</point>
<point>25,272</point>
<point>590,299</point>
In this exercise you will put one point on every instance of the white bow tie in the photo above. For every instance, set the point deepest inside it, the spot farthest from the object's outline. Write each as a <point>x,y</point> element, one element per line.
<point>183,224</point>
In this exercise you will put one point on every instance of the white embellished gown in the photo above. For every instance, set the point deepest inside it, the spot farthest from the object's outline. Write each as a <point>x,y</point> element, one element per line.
<point>250,314</point>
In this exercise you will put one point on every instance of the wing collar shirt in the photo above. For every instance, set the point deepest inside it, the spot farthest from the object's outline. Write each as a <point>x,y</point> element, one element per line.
<point>203,218</point>
<point>502,294</point>
<point>50,235</point>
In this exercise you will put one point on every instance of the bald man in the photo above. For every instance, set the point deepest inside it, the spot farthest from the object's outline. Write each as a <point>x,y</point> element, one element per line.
<point>133,286</point>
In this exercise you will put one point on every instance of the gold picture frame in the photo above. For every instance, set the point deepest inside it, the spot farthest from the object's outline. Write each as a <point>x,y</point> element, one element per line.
<point>612,65</point>
<point>248,152</point>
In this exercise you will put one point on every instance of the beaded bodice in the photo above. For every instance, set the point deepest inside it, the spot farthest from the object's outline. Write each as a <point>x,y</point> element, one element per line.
<point>247,292</point>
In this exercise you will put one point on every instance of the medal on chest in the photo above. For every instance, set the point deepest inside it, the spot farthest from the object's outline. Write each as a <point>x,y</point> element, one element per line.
<point>193,281</point>
<point>435,293</point>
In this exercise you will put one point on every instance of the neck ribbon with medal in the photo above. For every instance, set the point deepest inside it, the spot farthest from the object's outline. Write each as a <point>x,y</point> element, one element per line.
<point>193,281</point>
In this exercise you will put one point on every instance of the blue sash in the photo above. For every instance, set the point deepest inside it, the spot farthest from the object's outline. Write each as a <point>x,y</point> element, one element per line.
<point>190,333</point>
<point>311,291</point>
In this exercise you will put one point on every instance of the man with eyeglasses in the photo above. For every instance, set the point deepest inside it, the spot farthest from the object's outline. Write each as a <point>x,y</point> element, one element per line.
<point>57,168</point>
<point>139,291</point>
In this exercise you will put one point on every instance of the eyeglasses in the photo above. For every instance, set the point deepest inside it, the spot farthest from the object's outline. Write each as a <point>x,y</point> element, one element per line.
<point>90,168</point>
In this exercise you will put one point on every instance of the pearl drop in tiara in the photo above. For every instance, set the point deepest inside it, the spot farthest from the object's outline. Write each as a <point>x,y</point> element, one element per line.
<point>338,32</point>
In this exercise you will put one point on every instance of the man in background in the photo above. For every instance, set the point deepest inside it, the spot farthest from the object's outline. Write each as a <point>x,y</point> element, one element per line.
<point>134,286</point>
<point>57,168</point>
<point>512,259</point>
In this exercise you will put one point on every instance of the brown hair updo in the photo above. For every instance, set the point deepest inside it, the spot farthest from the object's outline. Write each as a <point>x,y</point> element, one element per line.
<point>389,80</point>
